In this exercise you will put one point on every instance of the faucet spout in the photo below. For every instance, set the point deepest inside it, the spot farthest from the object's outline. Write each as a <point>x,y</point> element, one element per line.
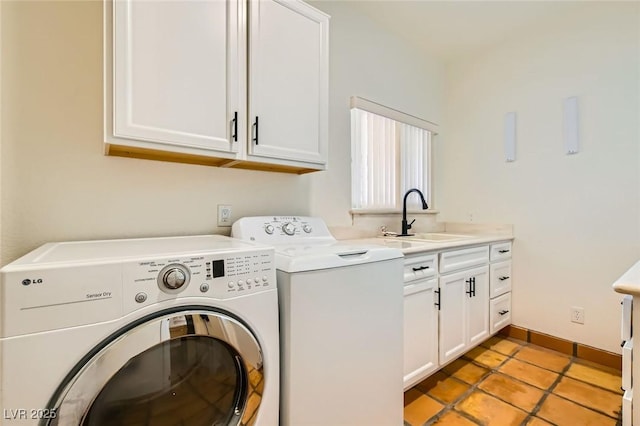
<point>406,226</point>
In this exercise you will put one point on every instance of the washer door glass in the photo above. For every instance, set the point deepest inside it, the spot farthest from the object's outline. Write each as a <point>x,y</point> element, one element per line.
<point>190,380</point>
<point>178,367</point>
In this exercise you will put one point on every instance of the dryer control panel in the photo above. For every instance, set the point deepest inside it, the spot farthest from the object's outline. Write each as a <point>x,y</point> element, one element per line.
<point>70,284</point>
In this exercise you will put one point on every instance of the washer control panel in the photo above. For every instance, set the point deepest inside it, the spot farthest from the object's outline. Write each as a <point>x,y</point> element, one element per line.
<point>220,276</point>
<point>280,229</point>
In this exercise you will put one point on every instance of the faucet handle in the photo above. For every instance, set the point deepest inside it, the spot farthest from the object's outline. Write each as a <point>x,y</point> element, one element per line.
<point>409,224</point>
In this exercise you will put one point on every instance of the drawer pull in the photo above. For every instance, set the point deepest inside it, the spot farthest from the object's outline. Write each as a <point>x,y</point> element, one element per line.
<point>503,312</point>
<point>421,268</point>
<point>503,278</point>
<point>504,251</point>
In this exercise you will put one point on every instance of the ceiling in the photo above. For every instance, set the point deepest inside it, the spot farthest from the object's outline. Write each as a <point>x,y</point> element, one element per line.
<point>450,29</point>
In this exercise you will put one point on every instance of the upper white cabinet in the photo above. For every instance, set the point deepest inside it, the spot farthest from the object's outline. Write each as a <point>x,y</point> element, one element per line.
<point>288,82</point>
<point>225,83</point>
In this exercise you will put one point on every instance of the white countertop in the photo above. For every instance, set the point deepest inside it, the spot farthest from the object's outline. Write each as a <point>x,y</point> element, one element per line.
<point>409,245</point>
<point>629,282</point>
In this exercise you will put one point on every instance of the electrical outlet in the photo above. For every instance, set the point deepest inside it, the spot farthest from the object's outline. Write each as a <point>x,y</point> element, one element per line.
<point>224,215</point>
<point>577,314</point>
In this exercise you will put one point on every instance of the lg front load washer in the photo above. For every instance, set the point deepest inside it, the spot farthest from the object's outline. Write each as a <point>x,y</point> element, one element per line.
<point>341,319</point>
<point>157,331</point>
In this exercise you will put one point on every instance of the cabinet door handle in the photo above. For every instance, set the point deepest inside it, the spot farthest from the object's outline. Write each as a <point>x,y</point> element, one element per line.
<point>504,278</point>
<point>234,136</point>
<point>438,302</point>
<point>504,251</point>
<point>420,268</point>
<point>255,131</point>
<point>503,312</point>
<point>473,282</point>
<point>470,291</point>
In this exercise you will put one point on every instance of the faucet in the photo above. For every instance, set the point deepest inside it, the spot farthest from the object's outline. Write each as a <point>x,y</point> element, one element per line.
<point>406,226</point>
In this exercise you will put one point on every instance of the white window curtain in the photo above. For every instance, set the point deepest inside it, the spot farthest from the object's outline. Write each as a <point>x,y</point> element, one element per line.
<point>415,146</point>
<point>374,160</point>
<point>388,158</point>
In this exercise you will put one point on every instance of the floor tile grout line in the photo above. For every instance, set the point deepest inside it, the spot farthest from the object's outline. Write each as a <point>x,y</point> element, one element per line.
<point>533,413</point>
<point>472,387</point>
<point>448,407</point>
<point>551,388</point>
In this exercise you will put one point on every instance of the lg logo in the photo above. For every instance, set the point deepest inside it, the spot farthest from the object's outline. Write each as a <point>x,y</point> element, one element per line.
<point>29,282</point>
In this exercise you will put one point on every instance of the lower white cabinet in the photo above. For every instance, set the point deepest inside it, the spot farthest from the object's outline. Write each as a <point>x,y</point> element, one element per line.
<point>420,330</point>
<point>453,301</point>
<point>464,311</point>
<point>499,286</point>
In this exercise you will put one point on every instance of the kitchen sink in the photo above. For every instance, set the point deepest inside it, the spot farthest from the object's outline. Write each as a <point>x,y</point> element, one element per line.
<point>401,243</point>
<point>438,237</point>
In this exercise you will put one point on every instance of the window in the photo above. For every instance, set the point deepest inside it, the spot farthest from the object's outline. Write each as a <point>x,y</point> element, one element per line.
<point>390,154</point>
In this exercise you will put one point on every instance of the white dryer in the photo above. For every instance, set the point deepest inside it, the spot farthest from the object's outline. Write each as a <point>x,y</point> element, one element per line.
<point>341,324</point>
<point>156,331</point>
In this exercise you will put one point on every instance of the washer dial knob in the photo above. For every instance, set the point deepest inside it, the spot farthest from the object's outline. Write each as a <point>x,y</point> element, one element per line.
<point>307,229</point>
<point>269,229</point>
<point>288,228</point>
<point>173,277</point>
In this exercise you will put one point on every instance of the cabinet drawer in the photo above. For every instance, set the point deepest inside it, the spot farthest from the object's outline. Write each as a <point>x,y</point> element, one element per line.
<point>421,266</point>
<point>500,312</point>
<point>462,259</point>
<point>500,251</point>
<point>500,278</point>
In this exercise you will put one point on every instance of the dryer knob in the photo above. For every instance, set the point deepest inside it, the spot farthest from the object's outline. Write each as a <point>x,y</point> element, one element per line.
<point>289,228</point>
<point>269,229</point>
<point>307,229</point>
<point>174,278</point>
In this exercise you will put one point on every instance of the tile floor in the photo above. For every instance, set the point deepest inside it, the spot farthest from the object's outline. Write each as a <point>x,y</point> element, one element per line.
<point>510,382</point>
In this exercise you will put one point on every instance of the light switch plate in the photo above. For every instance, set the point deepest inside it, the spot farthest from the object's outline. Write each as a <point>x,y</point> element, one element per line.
<point>224,215</point>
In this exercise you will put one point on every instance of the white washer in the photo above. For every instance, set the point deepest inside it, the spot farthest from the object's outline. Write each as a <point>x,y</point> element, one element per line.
<point>159,331</point>
<point>341,324</point>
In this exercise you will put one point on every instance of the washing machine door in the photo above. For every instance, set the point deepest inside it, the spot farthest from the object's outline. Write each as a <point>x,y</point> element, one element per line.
<point>196,367</point>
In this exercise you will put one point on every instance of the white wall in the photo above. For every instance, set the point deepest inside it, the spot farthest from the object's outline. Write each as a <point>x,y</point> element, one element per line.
<point>369,62</point>
<point>56,182</point>
<point>576,218</point>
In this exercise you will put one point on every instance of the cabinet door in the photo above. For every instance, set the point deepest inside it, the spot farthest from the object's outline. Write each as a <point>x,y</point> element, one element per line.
<point>453,315</point>
<point>478,306</point>
<point>288,81</point>
<point>177,70</point>
<point>420,331</point>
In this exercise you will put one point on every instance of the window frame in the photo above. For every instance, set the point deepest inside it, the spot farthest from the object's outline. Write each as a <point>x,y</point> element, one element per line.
<point>402,118</point>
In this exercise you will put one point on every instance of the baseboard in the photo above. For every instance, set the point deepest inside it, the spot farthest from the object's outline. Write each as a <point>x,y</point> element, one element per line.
<point>575,349</point>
